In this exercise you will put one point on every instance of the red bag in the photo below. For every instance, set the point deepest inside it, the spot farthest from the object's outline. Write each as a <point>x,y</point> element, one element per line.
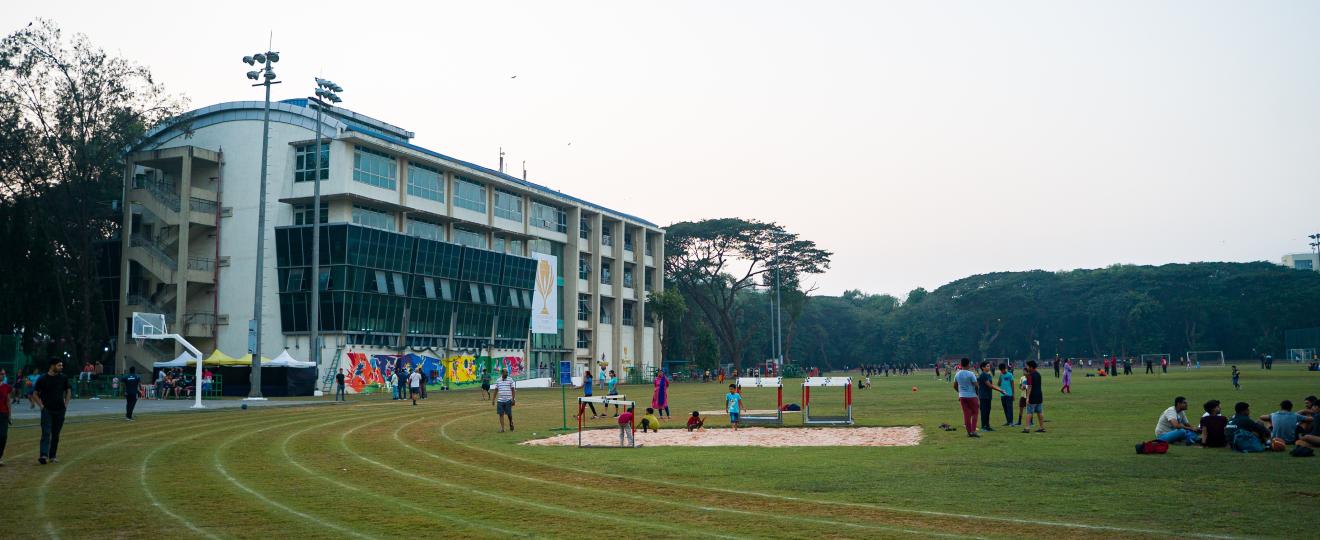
<point>1153,447</point>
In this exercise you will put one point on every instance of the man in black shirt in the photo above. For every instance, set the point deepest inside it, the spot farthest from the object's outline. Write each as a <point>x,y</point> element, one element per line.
<point>131,384</point>
<point>52,395</point>
<point>339,386</point>
<point>1035,399</point>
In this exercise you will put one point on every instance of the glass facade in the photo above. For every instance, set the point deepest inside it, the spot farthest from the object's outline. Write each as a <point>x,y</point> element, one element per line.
<point>508,206</point>
<point>304,162</point>
<point>547,217</point>
<point>469,195</point>
<point>372,218</point>
<point>302,214</point>
<point>375,168</point>
<point>426,182</point>
<point>426,229</point>
<point>379,284</point>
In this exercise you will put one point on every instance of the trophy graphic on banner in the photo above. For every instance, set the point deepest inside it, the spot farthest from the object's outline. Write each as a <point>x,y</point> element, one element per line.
<point>544,286</point>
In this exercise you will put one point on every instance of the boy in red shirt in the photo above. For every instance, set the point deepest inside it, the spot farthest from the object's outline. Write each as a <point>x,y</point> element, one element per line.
<point>696,422</point>
<point>626,428</point>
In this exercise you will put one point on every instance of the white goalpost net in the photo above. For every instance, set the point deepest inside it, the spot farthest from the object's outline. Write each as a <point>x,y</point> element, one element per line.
<point>1301,355</point>
<point>1209,358</point>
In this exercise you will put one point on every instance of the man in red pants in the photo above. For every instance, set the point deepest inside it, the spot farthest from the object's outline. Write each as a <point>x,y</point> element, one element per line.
<point>964,382</point>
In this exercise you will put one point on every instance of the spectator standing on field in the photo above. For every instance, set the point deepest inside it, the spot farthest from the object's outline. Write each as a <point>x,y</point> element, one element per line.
<point>964,382</point>
<point>1236,374</point>
<point>5,392</point>
<point>52,397</point>
<point>504,399</point>
<point>1035,399</point>
<point>340,394</point>
<point>985,391</point>
<point>485,381</point>
<point>1006,393</point>
<point>415,385</point>
<point>131,384</point>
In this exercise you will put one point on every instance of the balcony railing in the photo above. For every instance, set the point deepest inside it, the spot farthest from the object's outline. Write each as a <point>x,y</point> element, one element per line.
<point>198,263</point>
<point>139,300</point>
<point>161,191</point>
<point>202,205</point>
<point>202,318</point>
<point>155,249</point>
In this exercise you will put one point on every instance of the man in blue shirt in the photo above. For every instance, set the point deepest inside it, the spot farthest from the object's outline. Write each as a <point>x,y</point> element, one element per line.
<point>732,404</point>
<point>1006,393</point>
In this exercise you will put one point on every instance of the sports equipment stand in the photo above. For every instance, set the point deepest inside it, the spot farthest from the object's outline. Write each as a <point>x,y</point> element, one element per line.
<point>846,419</point>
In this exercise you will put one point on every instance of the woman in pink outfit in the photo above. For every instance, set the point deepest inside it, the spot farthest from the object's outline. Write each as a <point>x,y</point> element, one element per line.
<point>1067,377</point>
<point>660,398</point>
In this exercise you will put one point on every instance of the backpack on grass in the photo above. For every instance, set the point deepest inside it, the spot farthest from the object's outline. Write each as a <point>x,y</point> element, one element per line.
<point>1153,447</point>
<point>1245,441</point>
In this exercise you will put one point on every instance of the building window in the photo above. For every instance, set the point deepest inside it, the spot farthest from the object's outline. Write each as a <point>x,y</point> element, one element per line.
<point>470,238</point>
<point>627,275</point>
<point>584,266</point>
<point>372,218</point>
<point>1302,264</point>
<point>627,240</point>
<point>469,195</point>
<point>583,339</point>
<point>547,217</point>
<point>649,276</point>
<point>302,214</point>
<point>649,250</point>
<point>605,273</point>
<point>516,248</point>
<point>606,237</point>
<point>584,228</point>
<point>498,245</point>
<point>305,162</point>
<point>426,229</point>
<point>584,307</point>
<point>628,307</point>
<point>508,206</point>
<point>606,308</point>
<point>375,168</point>
<point>426,182</point>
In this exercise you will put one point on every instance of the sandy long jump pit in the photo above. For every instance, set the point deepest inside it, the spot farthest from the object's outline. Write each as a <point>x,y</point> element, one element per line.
<point>751,436</point>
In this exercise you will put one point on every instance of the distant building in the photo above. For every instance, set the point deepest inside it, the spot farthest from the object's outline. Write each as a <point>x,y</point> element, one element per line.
<point>1302,261</point>
<point>422,253</point>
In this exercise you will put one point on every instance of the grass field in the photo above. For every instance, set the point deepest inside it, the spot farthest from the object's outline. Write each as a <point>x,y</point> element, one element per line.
<point>377,469</point>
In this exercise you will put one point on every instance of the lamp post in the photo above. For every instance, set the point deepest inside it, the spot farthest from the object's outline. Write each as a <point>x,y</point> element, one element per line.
<point>326,91</point>
<point>1315,246</point>
<point>264,77</point>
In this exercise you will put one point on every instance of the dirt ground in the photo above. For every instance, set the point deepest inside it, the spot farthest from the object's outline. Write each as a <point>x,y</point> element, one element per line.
<point>752,436</point>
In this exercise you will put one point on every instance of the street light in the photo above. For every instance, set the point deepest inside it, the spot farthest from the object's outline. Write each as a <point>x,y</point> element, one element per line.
<point>265,76</point>
<point>325,92</point>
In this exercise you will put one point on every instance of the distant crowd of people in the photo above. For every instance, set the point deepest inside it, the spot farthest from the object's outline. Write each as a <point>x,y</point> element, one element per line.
<point>976,392</point>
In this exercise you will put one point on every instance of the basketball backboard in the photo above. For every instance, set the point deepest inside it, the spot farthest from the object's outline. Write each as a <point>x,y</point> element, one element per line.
<point>148,325</point>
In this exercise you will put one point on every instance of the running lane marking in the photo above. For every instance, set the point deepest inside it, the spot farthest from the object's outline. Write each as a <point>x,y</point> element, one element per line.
<point>1043,523</point>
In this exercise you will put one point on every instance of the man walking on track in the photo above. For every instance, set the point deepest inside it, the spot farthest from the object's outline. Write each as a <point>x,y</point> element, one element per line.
<point>340,395</point>
<point>1035,399</point>
<point>503,399</point>
<point>52,396</point>
<point>415,385</point>
<point>964,382</point>
<point>131,384</point>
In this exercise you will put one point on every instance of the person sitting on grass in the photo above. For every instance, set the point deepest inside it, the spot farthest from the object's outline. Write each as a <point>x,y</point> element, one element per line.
<point>732,405</point>
<point>1283,423</point>
<point>695,422</point>
<point>649,421</point>
<point>1248,435</point>
<point>1310,410</point>
<point>1173,426</point>
<point>1311,437</point>
<point>1213,424</point>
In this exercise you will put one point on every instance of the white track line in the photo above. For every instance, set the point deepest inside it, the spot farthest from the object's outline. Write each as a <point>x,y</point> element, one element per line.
<point>649,500</point>
<point>882,508</point>
<point>284,449</point>
<point>220,467</point>
<point>514,500</point>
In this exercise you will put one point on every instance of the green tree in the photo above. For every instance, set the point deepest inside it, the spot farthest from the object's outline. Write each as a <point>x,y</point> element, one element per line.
<point>714,261</point>
<point>666,306</point>
<point>67,112</point>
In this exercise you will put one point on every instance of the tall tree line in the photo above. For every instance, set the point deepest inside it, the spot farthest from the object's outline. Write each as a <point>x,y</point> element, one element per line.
<point>68,111</point>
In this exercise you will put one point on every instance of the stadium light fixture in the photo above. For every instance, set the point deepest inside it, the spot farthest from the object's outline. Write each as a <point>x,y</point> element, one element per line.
<point>325,91</point>
<point>264,77</point>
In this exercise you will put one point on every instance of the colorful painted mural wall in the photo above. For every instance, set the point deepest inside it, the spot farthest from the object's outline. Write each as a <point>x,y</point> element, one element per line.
<point>367,373</point>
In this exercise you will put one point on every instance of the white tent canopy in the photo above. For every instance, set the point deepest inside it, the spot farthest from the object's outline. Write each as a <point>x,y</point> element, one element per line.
<point>287,360</point>
<point>183,360</point>
<point>283,360</point>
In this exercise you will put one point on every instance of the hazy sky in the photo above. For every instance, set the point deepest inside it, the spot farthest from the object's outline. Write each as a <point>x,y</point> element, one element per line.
<point>919,141</point>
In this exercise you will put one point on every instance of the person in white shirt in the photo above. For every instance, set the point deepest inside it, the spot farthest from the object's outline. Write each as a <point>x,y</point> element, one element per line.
<point>1173,425</point>
<point>503,399</point>
<point>415,385</point>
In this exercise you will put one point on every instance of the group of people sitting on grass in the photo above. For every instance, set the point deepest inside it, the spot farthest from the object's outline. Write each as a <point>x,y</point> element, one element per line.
<point>1242,432</point>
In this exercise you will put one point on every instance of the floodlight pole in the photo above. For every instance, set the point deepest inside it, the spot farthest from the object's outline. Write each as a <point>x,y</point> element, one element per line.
<point>267,79</point>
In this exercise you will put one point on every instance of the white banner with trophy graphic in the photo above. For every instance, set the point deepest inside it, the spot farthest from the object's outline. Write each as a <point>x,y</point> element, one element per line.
<point>545,299</point>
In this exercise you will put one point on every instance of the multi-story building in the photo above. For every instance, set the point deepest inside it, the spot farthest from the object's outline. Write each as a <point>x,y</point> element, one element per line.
<point>420,252</point>
<point>1302,261</point>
